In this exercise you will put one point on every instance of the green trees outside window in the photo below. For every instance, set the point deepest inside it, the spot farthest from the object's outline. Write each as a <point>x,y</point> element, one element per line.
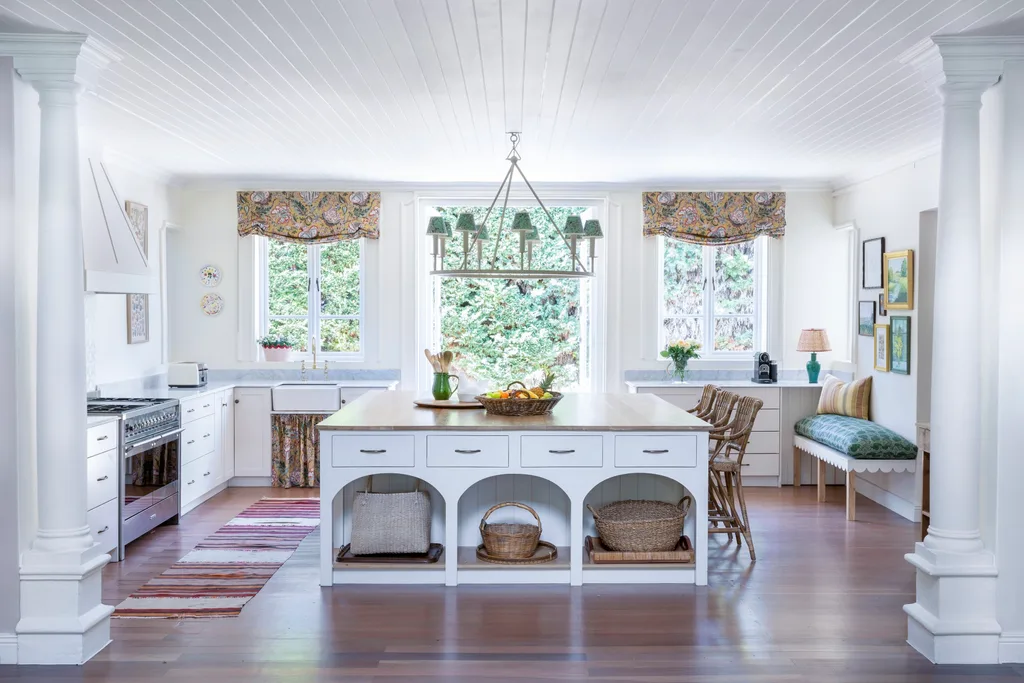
<point>506,330</point>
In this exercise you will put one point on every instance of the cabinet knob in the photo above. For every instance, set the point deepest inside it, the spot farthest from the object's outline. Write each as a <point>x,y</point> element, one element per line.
<point>236,400</point>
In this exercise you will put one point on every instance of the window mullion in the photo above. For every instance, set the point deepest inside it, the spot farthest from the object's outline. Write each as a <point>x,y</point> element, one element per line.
<point>709,299</point>
<point>313,310</point>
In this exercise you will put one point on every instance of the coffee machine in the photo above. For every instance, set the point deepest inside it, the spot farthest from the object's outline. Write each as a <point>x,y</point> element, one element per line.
<point>766,371</point>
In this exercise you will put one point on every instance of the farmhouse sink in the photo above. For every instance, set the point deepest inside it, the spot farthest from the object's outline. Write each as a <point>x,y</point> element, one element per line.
<point>307,397</point>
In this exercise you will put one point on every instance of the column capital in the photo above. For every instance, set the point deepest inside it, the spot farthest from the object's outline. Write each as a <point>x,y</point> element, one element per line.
<point>47,60</point>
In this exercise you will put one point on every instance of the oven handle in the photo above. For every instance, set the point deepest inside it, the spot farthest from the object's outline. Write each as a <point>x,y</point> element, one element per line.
<point>163,438</point>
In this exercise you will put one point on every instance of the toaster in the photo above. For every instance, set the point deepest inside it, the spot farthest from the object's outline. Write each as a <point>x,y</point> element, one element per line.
<point>187,374</point>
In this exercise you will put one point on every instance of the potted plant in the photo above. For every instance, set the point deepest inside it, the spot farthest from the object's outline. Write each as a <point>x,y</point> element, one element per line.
<point>275,349</point>
<point>680,353</point>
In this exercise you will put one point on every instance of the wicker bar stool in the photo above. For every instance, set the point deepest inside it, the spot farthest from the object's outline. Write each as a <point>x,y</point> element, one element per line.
<point>725,475</point>
<point>706,402</point>
<point>721,409</point>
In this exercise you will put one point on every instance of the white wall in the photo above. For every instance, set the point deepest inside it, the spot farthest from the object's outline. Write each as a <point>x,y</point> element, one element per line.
<point>890,206</point>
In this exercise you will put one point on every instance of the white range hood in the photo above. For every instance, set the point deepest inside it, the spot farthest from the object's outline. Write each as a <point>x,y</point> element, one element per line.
<point>114,261</point>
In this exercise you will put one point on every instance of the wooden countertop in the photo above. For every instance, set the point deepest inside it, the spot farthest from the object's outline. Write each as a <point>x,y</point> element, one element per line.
<point>394,411</point>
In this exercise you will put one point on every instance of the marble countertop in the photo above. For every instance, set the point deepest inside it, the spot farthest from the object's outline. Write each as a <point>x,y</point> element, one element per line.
<point>395,411</point>
<point>97,420</point>
<point>185,393</point>
<point>698,384</point>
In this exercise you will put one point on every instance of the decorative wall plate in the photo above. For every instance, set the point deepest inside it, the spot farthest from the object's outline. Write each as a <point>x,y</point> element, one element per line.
<point>211,303</point>
<point>209,276</point>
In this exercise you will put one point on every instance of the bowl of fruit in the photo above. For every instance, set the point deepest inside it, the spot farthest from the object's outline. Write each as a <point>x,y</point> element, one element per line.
<point>517,399</point>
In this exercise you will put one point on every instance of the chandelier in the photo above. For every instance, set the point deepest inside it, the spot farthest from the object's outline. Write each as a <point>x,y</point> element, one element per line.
<point>481,260</point>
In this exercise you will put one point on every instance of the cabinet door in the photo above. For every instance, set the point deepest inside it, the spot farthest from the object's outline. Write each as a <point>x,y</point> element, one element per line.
<point>227,434</point>
<point>252,432</point>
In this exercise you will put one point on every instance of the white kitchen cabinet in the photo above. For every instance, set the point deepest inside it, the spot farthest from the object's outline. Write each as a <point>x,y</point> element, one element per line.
<point>252,432</point>
<point>101,468</point>
<point>226,401</point>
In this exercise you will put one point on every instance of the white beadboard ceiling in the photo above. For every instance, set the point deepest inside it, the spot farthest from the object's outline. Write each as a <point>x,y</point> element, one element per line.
<point>603,90</point>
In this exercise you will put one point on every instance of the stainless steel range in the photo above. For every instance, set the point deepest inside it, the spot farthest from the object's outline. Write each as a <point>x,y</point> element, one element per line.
<point>151,444</point>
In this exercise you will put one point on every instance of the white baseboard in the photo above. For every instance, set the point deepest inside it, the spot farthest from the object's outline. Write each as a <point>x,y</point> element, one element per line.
<point>887,499</point>
<point>1011,648</point>
<point>250,481</point>
<point>8,648</point>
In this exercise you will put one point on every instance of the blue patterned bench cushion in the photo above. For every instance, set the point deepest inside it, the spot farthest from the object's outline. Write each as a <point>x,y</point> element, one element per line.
<point>861,439</point>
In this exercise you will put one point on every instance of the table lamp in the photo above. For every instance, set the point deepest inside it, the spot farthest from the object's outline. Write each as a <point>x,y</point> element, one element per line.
<point>813,340</point>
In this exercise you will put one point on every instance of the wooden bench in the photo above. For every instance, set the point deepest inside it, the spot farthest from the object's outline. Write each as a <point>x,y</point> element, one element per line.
<point>841,461</point>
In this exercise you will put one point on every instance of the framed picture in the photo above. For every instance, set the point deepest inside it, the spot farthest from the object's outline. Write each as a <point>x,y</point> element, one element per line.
<point>882,348</point>
<point>899,280</point>
<point>138,219</point>
<point>881,306</point>
<point>138,318</point>
<point>865,318</point>
<point>871,252</point>
<point>899,344</point>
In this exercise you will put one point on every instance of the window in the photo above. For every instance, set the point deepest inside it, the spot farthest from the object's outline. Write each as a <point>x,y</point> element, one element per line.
<point>711,295</point>
<point>509,330</point>
<point>313,296</point>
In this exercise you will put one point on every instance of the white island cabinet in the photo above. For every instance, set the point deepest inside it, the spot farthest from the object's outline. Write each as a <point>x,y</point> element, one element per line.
<point>593,449</point>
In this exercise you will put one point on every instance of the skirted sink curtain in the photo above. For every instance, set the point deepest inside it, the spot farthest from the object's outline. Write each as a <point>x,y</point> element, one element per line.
<point>714,218</point>
<point>304,218</point>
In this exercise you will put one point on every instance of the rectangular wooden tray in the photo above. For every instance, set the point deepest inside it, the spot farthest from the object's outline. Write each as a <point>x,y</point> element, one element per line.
<point>683,554</point>
<point>429,557</point>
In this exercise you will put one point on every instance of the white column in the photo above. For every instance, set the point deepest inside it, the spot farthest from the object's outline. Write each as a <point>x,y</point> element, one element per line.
<point>63,620</point>
<point>953,619</point>
<point>955,402</point>
<point>61,455</point>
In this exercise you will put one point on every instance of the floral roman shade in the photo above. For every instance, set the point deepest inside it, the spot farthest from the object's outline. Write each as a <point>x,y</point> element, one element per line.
<point>309,217</point>
<point>715,218</point>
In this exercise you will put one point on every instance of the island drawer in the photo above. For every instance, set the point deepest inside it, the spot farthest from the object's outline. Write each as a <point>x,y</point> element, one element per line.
<point>562,451</point>
<point>655,450</point>
<point>376,450</point>
<point>467,451</point>
<point>195,408</point>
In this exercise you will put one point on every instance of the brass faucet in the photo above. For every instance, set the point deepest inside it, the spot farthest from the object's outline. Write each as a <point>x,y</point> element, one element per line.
<point>316,343</point>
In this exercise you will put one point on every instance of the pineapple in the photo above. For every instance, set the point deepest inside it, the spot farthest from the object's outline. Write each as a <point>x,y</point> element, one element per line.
<point>543,389</point>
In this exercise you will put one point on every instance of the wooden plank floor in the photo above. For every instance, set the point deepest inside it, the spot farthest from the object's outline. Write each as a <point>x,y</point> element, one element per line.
<point>823,603</point>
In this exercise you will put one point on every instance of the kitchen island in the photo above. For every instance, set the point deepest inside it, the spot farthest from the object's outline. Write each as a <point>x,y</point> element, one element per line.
<point>590,450</point>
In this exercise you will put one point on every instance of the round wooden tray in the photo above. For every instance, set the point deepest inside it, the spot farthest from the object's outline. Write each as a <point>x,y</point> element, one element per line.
<point>545,552</point>
<point>450,405</point>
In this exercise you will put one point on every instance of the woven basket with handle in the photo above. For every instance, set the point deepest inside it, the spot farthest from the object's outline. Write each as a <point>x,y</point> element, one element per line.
<point>641,525</point>
<point>509,540</point>
<point>515,407</point>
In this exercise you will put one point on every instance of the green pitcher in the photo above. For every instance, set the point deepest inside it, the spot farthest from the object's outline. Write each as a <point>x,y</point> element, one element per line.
<point>442,388</point>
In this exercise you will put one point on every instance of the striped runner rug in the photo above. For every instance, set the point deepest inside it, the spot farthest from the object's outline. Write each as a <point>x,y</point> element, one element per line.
<point>229,568</point>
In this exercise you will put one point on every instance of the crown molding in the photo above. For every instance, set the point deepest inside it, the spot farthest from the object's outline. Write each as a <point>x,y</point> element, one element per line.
<point>60,57</point>
<point>848,182</point>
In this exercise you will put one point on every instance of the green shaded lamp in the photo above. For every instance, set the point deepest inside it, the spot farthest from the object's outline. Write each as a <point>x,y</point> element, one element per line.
<point>467,226</point>
<point>438,231</point>
<point>481,237</point>
<point>521,222</point>
<point>592,231</point>
<point>532,238</point>
<point>815,341</point>
<point>573,230</point>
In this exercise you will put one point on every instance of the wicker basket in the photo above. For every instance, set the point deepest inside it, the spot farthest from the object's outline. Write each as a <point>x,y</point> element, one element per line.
<point>641,526</point>
<point>515,407</point>
<point>390,523</point>
<point>510,541</point>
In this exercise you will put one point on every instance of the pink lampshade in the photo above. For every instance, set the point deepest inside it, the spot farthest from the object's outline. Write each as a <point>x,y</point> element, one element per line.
<point>814,340</point>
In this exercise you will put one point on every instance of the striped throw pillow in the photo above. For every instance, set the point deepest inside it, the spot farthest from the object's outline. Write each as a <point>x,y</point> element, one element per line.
<point>840,398</point>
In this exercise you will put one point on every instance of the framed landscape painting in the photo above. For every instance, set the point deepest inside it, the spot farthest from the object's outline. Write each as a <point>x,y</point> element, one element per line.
<point>899,280</point>
<point>882,348</point>
<point>871,252</point>
<point>899,344</point>
<point>866,318</point>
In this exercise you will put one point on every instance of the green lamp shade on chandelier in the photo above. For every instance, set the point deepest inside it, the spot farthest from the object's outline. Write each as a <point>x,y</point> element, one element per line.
<point>521,222</point>
<point>573,226</point>
<point>814,340</point>
<point>592,228</point>
<point>437,227</point>
<point>481,233</point>
<point>465,223</point>
<point>533,236</point>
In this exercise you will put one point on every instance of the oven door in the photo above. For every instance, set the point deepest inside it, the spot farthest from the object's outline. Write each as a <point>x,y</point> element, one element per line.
<point>151,470</point>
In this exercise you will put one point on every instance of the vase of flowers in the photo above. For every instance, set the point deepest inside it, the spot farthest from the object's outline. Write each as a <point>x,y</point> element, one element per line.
<point>275,349</point>
<point>680,353</point>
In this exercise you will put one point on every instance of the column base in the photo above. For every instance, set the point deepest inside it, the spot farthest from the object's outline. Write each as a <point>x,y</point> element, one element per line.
<point>954,618</point>
<point>63,620</point>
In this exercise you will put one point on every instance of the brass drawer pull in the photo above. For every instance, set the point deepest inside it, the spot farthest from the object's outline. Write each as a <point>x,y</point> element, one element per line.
<point>565,452</point>
<point>373,451</point>
<point>656,451</point>
<point>467,451</point>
